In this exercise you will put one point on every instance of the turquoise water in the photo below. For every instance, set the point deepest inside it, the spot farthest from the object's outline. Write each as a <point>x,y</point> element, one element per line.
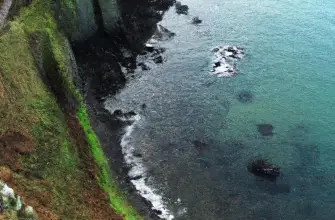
<point>288,67</point>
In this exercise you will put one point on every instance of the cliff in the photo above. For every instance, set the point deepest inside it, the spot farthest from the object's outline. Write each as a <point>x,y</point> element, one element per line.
<point>55,57</point>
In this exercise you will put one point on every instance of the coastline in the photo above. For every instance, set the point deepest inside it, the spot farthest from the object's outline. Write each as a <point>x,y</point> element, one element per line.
<point>64,116</point>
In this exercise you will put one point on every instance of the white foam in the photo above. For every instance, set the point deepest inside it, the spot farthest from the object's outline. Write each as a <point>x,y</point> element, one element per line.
<point>139,171</point>
<point>224,62</point>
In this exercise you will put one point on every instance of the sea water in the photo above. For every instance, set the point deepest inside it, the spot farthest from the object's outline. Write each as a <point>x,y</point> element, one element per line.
<point>196,138</point>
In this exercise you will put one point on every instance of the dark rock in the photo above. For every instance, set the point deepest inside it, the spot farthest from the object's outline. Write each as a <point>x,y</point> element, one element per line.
<point>196,20</point>
<point>157,212</point>
<point>265,129</point>
<point>149,48</point>
<point>245,96</point>
<point>217,64</point>
<point>144,66</point>
<point>136,177</point>
<point>231,49</point>
<point>137,155</point>
<point>159,50</point>
<point>158,59</point>
<point>130,114</point>
<point>262,168</point>
<point>181,9</point>
<point>163,33</point>
<point>118,112</point>
<point>143,106</point>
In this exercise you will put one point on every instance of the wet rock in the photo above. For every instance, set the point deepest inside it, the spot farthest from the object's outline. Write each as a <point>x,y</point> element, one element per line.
<point>149,47</point>
<point>262,168</point>
<point>196,20</point>
<point>265,129</point>
<point>144,66</point>
<point>158,59</point>
<point>137,177</point>
<point>139,155</point>
<point>118,112</point>
<point>225,58</point>
<point>130,114</point>
<point>245,96</point>
<point>163,33</point>
<point>181,9</point>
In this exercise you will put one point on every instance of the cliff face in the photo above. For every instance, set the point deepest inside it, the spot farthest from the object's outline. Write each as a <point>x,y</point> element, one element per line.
<point>55,57</point>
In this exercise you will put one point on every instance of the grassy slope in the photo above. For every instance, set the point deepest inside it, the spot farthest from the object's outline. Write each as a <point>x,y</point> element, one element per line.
<point>27,105</point>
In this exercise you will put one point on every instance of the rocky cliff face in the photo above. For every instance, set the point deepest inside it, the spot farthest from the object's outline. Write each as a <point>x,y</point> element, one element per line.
<point>38,101</point>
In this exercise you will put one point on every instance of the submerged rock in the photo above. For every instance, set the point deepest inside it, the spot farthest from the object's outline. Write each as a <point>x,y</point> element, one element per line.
<point>262,168</point>
<point>196,20</point>
<point>181,9</point>
<point>265,129</point>
<point>245,96</point>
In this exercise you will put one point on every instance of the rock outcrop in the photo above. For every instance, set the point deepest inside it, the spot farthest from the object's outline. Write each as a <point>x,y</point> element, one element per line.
<point>225,58</point>
<point>5,5</point>
<point>12,205</point>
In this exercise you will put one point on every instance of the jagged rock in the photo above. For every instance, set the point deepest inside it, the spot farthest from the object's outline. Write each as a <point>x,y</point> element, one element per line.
<point>144,66</point>
<point>163,33</point>
<point>224,63</point>
<point>262,168</point>
<point>181,9</point>
<point>196,20</point>
<point>158,59</point>
<point>149,47</point>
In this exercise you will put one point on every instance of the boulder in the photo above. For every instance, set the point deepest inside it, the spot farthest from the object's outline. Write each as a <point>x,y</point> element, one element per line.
<point>158,59</point>
<point>196,20</point>
<point>181,9</point>
<point>263,168</point>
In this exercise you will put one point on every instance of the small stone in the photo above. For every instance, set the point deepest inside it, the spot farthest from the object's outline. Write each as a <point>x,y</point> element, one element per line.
<point>5,174</point>
<point>118,112</point>
<point>196,20</point>
<point>29,211</point>
<point>18,203</point>
<point>158,59</point>
<point>7,192</point>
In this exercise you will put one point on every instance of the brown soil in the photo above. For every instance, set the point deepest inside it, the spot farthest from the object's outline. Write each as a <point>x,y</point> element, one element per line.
<point>12,145</point>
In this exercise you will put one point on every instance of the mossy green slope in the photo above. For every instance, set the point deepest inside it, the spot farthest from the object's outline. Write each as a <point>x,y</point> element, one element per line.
<point>28,105</point>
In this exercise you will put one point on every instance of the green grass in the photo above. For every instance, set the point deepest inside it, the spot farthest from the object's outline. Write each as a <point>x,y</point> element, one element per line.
<point>116,199</point>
